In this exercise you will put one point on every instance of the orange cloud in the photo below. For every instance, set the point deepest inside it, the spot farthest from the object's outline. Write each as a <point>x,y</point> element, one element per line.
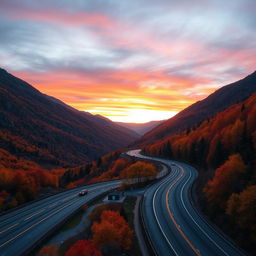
<point>105,95</point>
<point>118,66</point>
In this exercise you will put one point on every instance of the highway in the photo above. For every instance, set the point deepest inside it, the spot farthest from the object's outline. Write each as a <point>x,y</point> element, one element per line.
<point>25,226</point>
<point>173,224</point>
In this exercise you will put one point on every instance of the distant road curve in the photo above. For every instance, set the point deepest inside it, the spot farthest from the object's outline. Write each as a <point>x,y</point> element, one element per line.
<point>25,226</point>
<point>174,225</point>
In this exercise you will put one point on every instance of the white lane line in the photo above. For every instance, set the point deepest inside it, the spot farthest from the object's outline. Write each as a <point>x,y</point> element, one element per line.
<point>51,205</point>
<point>157,159</point>
<point>24,231</point>
<point>196,251</point>
<point>34,214</point>
<point>158,222</point>
<point>65,199</point>
<point>174,221</point>
<point>8,228</point>
<point>183,204</point>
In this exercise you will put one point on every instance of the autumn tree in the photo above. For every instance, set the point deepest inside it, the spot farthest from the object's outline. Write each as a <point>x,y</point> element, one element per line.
<point>3,196</point>
<point>83,248</point>
<point>50,250</point>
<point>97,211</point>
<point>225,180</point>
<point>112,230</point>
<point>242,208</point>
<point>140,171</point>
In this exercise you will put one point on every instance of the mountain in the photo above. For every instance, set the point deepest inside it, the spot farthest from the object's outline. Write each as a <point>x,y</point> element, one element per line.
<point>141,128</point>
<point>43,129</point>
<point>99,120</point>
<point>202,110</point>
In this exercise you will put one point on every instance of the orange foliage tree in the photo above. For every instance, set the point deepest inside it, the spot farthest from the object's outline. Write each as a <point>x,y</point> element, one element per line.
<point>225,180</point>
<point>83,248</point>
<point>140,171</point>
<point>112,230</point>
<point>242,208</point>
<point>23,179</point>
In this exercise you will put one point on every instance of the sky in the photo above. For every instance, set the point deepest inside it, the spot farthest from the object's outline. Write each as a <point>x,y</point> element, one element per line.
<point>128,60</point>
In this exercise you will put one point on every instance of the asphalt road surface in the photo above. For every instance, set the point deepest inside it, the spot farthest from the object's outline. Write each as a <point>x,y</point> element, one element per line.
<point>23,227</point>
<point>174,225</point>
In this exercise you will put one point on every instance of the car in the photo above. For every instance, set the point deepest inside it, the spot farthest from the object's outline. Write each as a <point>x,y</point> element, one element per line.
<point>83,192</point>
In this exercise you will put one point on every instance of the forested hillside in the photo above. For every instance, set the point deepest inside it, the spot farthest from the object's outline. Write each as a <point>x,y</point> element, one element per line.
<point>35,127</point>
<point>40,136</point>
<point>219,100</point>
<point>223,148</point>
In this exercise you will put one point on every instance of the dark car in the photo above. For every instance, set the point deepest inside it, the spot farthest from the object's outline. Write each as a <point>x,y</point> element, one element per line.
<point>83,192</point>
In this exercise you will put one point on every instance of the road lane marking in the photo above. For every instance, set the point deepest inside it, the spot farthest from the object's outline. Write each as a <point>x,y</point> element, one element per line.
<point>183,204</point>
<point>196,251</point>
<point>158,222</point>
<point>8,228</point>
<point>37,223</point>
<point>34,214</point>
<point>70,197</point>
<point>212,230</point>
<point>171,215</point>
<point>51,205</point>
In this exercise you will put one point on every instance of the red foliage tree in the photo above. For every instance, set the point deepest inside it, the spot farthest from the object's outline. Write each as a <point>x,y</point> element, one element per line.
<point>50,250</point>
<point>224,181</point>
<point>83,248</point>
<point>112,230</point>
<point>242,208</point>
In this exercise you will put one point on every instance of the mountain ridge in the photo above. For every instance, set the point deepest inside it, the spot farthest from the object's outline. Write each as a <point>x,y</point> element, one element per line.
<point>141,128</point>
<point>204,109</point>
<point>36,128</point>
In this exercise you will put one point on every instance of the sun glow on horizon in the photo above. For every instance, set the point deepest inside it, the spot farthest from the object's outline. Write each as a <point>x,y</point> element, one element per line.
<point>148,64</point>
<point>135,115</point>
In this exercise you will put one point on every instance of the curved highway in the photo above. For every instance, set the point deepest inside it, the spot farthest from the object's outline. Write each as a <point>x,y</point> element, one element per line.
<point>173,224</point>
<point>22,228</point>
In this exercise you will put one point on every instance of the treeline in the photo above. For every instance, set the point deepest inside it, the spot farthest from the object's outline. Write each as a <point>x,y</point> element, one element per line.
<point>21,180</point>
<point>105,168</point>
<point>109,167</point>
<point>224,150</point>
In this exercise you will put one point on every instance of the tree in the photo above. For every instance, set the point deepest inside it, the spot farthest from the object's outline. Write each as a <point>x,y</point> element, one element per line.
<point>112,230</point>
<point>225,180</point>
<point>242,208</point>
<point>139,170</point>
<point>3,196</point>
<point>97,211</point>
<point>50,250</point>
<point>83,248</point>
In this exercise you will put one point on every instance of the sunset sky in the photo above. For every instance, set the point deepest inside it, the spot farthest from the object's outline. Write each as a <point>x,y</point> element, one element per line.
<point>129,60</point>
